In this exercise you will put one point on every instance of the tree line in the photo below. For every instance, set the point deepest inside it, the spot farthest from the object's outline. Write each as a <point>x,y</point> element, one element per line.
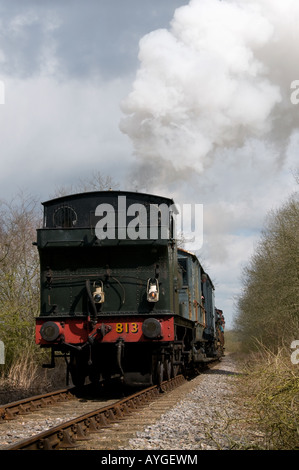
<point>19,274</point>
<point>268,306</point>
<point>19,266</point>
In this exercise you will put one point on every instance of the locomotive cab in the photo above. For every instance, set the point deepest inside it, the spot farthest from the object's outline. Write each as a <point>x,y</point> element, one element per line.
<point>115,299</point>
<point>108,261</point>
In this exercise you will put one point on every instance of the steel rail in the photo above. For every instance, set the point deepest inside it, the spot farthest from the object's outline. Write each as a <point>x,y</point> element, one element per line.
<point>69,434</point>
<point>27,405</point>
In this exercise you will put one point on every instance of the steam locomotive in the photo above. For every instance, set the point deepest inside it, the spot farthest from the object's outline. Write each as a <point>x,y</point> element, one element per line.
<point>119,299</point>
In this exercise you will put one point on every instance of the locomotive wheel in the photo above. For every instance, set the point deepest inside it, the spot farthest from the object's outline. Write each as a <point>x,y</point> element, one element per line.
<point>160,372</point>
<point>78,368</point>
<point>94,375</point>
<point>177,359</point>
<point>168,367</point>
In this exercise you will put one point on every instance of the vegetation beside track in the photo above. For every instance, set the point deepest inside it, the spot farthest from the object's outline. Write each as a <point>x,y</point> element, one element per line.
<point>267,329</point>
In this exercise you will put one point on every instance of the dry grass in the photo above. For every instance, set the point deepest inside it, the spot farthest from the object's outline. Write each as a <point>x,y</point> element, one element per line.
<point>271,390</point>
<point>26,377</point>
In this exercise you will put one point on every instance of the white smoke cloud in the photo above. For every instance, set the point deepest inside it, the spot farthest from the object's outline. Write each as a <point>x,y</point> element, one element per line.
<point>211,120</point>
<point>219,77</point>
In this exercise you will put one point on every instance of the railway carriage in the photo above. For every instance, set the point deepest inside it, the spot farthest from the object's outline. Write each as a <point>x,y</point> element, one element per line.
<point>118,298</point>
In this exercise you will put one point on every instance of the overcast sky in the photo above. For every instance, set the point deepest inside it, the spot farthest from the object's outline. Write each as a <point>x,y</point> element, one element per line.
<point>187,100</point>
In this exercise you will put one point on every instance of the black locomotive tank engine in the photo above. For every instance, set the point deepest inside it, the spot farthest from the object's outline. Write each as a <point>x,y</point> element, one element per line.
<point>118,298</point>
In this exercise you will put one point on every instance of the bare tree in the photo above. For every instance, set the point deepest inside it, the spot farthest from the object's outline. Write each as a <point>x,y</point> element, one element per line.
<point>96,182</point>
<point>19,272</point>
<point>268,307</point>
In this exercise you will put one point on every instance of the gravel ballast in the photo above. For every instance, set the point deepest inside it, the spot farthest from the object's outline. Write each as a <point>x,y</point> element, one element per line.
<point>206,413</point>
<point>210,417</point>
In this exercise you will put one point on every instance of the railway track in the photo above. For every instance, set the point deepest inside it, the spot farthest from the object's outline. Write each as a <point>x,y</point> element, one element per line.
<point>24,418</point>
<point>12,410</point>
<point>103,420</point>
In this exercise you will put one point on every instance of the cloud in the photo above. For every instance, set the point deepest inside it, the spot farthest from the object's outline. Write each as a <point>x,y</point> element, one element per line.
<point>213,81</point>
<point>27,42</point>
<point>54,132</point>
<point>65,67</point>
<point>85,38</point>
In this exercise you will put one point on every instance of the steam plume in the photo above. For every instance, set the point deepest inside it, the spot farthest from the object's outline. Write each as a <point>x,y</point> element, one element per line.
<point>218,78</point>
